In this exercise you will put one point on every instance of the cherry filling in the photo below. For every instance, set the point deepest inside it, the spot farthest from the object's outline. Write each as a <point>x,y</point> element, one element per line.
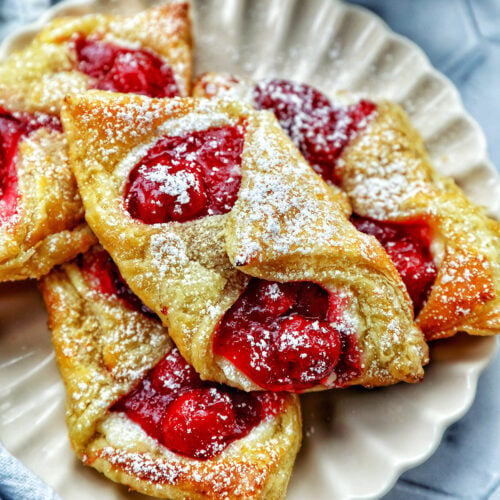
<point>104,276</point>
<point>172,404</point>
<point>408,245</point>
<point>321,131</point>
<point>187,177</point>
<point>13,127</point>
<point>119,69</point>
<point>318,128</point>
<point>288,336</point>
<point>191,417</point>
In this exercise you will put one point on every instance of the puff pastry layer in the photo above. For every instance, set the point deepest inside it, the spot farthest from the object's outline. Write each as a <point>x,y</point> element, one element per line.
<point>466,243</point>
<point>47,227</point>
<point>103,350</point>
<point>387,175</point>
<point>286,225</point>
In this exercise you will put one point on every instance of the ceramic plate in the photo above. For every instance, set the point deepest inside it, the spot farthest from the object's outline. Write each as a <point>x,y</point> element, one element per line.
<point>356,442</point>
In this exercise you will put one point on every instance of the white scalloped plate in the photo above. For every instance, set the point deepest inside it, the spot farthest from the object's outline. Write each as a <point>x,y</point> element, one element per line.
<point>356,442</point>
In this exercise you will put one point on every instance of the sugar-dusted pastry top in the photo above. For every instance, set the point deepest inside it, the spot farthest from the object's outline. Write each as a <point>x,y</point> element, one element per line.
<point>41,216</point>
<point>444,247</point>
<point>137,412</point>
<point>244,204</point>
<point>464,242</point>
<point>119,53</point>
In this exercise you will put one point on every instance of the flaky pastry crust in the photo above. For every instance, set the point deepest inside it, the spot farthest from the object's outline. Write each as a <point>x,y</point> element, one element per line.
<point>40,76</point>
<point>49,227</point>
<point>103,349</point>
<point>466,293</point>
<point>286,225</point>
<point>388,176</point>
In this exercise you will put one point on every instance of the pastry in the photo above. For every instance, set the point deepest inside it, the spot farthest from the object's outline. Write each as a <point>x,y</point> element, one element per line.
<point>148,53</point>
<point>219,225</point>
<point>138,413</point>
<point>445,247</point>
<point>41,215</point>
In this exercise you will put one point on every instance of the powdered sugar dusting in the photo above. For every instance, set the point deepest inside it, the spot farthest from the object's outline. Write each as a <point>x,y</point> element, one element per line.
<point>383,195</point>
<point>279,212</point>
<point>232,474</point>
<point>168,252</point>
<point>175,184</point>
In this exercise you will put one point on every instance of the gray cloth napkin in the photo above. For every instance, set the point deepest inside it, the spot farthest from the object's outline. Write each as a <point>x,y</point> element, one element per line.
<point>18,483</point>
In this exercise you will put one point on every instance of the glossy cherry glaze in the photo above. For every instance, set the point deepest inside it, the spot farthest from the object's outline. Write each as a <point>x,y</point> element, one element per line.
<point>408,245</point>
<point>103,275</point>
<point>121,69</point>
<point>289,336</point>
<point>13,127</point>
<point>320,129</point>
<point>191,417</point>
<point>172,404</point>
<point>186,177</point>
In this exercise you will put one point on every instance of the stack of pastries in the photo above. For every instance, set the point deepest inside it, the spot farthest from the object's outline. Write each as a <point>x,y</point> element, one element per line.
<point>208,251</point>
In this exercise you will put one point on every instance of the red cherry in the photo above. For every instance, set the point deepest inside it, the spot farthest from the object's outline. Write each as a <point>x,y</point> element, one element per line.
<point>199,422</point>
<point>383,232</point>
<point>173,373</point>
<point>308,350</point>
<point>406,256</point>
<point>163,191</point>
<point>139,72</point>
<point>11,131</point>
<point>185,177</point>
<point>95,57</point>
<point>313,301</point>
<point>13,127</point>
<point>119,69</point>
<point>275,299</point>
<point>320,129</point>
<point>145,407</point>
<point>280,336</point>
<point>191,417</point>
<point>407,243</point>
<point>96,267</point>
<point>415,268</point>
<point>337,304</point>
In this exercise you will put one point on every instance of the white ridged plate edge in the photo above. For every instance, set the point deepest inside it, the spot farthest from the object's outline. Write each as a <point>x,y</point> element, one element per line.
<point>356,442</point>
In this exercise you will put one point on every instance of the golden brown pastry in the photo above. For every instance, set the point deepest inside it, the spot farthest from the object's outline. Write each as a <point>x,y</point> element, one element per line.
<point>445,247</point>
<point>148,53</point>
<point>192,198</point>
<point>41,216</point>
<point>138,413</point>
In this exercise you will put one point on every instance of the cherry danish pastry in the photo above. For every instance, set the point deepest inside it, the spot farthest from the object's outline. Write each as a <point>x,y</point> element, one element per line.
<point>219,225</point>
<point>137,412</point>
